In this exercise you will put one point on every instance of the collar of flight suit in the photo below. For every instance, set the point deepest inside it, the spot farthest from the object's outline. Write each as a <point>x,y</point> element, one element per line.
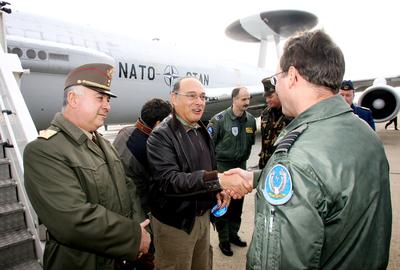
<point>327,108</point>
<point>243,117</point>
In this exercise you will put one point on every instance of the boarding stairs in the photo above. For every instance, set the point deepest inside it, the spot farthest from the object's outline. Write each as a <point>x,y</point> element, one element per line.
<point>20,246</point>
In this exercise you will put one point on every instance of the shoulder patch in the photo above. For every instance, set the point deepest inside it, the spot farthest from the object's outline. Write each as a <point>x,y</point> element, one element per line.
<point>219,116</point>
<point>47,134</point>
<point>278,186</point>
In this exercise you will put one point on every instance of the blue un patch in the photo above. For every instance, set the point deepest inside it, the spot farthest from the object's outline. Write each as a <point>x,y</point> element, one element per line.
<point>278,187</point>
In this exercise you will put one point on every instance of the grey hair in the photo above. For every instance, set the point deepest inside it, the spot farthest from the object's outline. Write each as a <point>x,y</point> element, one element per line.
<point>77,89</point>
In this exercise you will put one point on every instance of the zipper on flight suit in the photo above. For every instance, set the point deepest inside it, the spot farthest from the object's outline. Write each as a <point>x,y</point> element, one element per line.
<point>269,262</point>
<point>271,220</point>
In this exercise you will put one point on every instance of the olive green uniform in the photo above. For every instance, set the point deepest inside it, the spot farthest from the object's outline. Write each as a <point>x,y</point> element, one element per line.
<point>272,123</point>
<point>323,199</point>
<point>78,189</point>
<point>233,138</point>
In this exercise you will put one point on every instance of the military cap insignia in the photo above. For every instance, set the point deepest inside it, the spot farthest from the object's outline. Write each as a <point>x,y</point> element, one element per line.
<point>278,186</point>
<point>47,134</point>
<point>109,75</point>
<point>110,72</point>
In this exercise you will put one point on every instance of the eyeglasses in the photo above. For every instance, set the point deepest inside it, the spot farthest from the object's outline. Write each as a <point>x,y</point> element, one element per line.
<point>274,78</point>
<point>192,96</point>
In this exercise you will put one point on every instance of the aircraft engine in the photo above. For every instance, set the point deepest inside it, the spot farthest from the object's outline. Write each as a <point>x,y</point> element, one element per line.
<point>383,100</point>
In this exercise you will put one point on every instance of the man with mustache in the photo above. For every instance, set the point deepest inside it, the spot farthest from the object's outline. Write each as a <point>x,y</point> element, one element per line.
<point>233,133</point>
<point>77,185</point>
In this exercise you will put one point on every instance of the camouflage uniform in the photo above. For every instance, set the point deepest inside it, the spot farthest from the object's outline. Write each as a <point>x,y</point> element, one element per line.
<point>272,123</point>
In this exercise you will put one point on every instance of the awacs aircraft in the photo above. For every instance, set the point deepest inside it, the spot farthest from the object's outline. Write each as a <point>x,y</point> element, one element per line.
<point>49,49</point>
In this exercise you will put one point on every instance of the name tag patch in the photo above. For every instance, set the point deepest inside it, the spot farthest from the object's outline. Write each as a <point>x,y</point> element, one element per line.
<point>249,130</point>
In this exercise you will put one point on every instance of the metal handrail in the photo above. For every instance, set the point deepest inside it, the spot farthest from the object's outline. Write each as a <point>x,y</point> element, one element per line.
<point>17,128</point>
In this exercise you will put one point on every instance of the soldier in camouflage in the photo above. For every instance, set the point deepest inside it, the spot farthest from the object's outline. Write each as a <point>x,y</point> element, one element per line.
<point>272,122</point>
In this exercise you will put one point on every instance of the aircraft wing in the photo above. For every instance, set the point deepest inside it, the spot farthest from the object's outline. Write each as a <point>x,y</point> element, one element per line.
<point>218,99</point>
<point>361,85</point>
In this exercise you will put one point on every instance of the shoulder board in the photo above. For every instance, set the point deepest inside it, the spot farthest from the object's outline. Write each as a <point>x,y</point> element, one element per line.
<point>47,134</point>
<point>289,139</point>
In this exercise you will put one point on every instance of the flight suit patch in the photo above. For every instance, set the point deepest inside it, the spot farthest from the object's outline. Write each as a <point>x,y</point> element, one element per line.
<point>235,131</point>
<point>278,186</point>
<point>47,134</point>
<point>249,130</point>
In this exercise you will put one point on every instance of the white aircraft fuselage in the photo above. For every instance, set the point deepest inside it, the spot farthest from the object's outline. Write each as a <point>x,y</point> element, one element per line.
<point>49,49</point>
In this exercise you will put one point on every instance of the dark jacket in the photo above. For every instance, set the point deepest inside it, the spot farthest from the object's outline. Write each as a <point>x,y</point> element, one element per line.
<point>139,174</point>
<point>177,190</point>
<point>365,114</point>
<point>79,192</point>
<point>339,214</point>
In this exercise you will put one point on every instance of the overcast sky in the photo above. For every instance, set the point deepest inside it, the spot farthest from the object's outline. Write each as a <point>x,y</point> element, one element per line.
<point>366,31</point>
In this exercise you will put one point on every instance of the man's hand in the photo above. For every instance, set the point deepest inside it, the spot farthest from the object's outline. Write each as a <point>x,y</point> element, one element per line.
<point>235,184</point>
<point>145,239</point>
<point>223,199</point>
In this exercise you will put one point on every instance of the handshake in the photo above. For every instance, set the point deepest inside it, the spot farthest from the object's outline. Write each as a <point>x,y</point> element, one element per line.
<point>236,182</point>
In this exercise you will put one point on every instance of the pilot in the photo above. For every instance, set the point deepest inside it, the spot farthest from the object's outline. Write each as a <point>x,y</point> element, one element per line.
<point>233,132</point>
<point>323,199</point>
<point>272,122</point>
<point>347,92</point>
<point>77,185</point>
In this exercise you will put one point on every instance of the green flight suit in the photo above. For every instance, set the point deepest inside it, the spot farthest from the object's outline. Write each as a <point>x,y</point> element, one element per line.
<point>338,214</point>
<point>233,138</point>
<point>79,192</point>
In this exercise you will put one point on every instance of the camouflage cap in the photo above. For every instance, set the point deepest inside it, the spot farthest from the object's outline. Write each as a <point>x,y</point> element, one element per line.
<point>95,76</point>
<point>269,89</point>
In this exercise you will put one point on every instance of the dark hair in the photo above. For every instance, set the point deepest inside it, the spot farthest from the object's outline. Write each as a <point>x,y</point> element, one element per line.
<point>317,58</point>
<point>235,92</point>
<point>155,110</point>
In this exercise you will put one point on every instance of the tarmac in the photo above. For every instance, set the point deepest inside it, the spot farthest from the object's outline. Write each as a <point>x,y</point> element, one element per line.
<point>391,141</point>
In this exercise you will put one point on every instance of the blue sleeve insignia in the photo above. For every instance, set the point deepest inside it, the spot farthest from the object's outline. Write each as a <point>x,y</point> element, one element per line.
<point>278,187</point>
<point>219,116</point>
<point>210,130</point>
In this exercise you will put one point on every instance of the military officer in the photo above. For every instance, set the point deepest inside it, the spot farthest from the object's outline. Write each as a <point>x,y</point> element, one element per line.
<point>76,182</point>
<point>272,122</point>
<point>347,92</point>
<point>322,202</point>
<point>233,133</point>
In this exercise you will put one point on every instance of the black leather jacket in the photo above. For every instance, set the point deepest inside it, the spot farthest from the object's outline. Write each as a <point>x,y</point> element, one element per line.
<point>178,191</point>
